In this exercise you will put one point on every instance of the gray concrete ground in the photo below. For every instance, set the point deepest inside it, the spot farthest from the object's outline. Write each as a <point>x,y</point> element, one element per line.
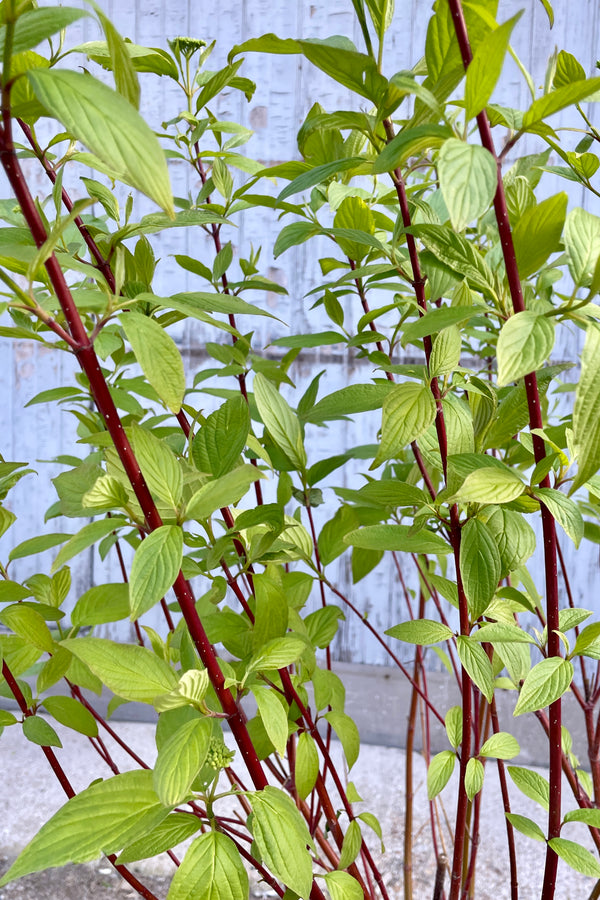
<point>31,795</point>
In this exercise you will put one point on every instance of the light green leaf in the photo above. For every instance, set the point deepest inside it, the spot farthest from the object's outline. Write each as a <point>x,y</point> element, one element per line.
<point>100,819</point>
<point>355,398</point>
<point>351,845</point>
<point>454,724</point>
<point>532,784</point>
<point>479,565</point>
<point>347,734</point>
<point>342,886</point>
<point>439,772</point>
<point>72,713</point>
<point>353,213</point>
<point>217,445</point>
<point>445,353</point>
<point>473,777</point>
<point>576,856</point>
<point>128,670</point>
<point>28,623</point>
<point>559,99</point>
<point>108,125</point>
<point>37,545</point>
<point>155,567</point>
<point>280,420</point>
<point>468,178</point>
<point>490,485</point>
<point>84,538</point>
<point>568,69</point>
<point>102,603</point>
<point>106,493</point>
<point>158,357</point>
<point>223,491</point>
<point>515,538</point>
<point>458,254</point>
<point>39,732</point>
<point>410,142</point>
<point>282,837</point>
<point>408,411</point>
<point>278,653</point>
<point>180,759</point>
<point>397,537</point>
<point>36,25</point>
<point>274,718</point>
<point>565,511</point>
<point>307,765</point>
<point>177,827</point>
<point>537,233</point>
<point>545,683</point>
<point>476,663</point>
<point>421,632</point>
<point>485,68</point>
<point>159,465</point>
<point>525,343</point>
<point>315,176</point>
<point>292,235</point>
<point>582,243</point>
<point>125,75</point>
<point>526,826</point>
<point>586,411</point>
<point>588,816</point>
<point>500,746</point>
<point>210,870</point>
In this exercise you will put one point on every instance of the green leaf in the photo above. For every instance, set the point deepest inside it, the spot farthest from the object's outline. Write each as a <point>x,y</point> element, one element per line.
<point>531,784</point>
<point>307,765</point>
<point>125,75</point>
<point>458,254</point>
<point>37,25</point>
<point>130,671</point>
<point>274,718</point>
<point>173,830</point>
<point>282,837</point>
<point>342,886</point>
<point>277,654</point>
<point>391,493</point>
<point>281,422</point>
<point>159,465</point>
<point>476,663</point>
<point>490,485</point>
<point>223,491</point>
<point>155,567</point>
<point>102,603</point>
<point>537,233</point>
<point>439,772</point>
<point>351,845</point>
<point>410,142</point>
<point>473,777</point>
<point>217,445</point>
<point>445,353</point>
<point>38,731</point>
<point>355,398</point>
<point>347,734</point>
<point>565,511</point>
<point>514,537</point>
<point>100,819</point>
<point>576,856</point>
<point>480,566</point>
<point>72,713</point>
<point>353,213</point>
<point>500,746</point>
<point>108,125</point>
<point>525,343</point>
<point>84,538</point>
<point>568,69</point>
<point>408,411</point>
<point>559,99</point>
<point>485,68</point>
<point>210,870</point>
<point>180,759</point>
<point>454,725</point>
<point>436,320</point>
<point>526,826</point>
<point>586,411</point>
<point>588,816</point>
<point>37,545</point>
<point>315,176</point>
<point>28,623</point>
<point>468,178</point>
<point>158,357</point>
<point>421,632</point>
<point>106,493</point>
<point>397,537</point>
<point>582,243</point>
<point>293,234</point>
<point>545,683</point>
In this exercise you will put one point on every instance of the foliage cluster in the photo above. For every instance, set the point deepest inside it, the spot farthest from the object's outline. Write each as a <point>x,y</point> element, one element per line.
<point>448,254</point>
